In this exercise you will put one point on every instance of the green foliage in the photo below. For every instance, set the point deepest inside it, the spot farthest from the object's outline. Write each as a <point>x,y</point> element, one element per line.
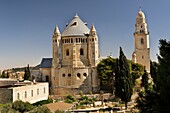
<point>70,99</point>
<point>40,109</point>
<point>145,79</point>
<point>105,70</point>
<point>3,75</point>
<point>85,100</point>
<point>7,108</point>
<point>156,100</point>
<point>163,77</point>
<point>154,71</point>
<point>123,79</point>
<point>136,71</point>
<point>17,107</point>
<point>59,111</point>
<point>27,75</point>
<point>22,106</point>
<point>145,101</point>
<point>43,102</point>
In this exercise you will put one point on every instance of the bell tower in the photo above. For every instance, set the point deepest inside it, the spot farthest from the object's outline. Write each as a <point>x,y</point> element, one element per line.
<point>56,48</point>
<point>141,52</point>
<point>93,49</point>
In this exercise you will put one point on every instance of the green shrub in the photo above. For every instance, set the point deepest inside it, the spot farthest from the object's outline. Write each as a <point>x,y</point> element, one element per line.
<point>43,102</point>
<point>40,109</point>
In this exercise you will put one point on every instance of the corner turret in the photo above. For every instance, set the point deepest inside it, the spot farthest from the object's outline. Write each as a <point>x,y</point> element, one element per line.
<point>56,47</point>
<point>93,48</point>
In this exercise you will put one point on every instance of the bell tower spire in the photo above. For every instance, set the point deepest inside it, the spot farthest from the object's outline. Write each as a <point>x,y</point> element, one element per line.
<point>141,52</point>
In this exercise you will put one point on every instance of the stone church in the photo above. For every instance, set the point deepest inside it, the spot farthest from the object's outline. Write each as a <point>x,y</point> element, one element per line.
<point>141,52</point>
<point>75,55</point>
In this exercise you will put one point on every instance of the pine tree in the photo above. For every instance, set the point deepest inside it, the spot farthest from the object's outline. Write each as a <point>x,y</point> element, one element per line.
<point>123,79</point>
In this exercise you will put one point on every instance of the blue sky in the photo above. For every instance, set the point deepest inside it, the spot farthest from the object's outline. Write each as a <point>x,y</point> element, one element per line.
<point>26,26</point>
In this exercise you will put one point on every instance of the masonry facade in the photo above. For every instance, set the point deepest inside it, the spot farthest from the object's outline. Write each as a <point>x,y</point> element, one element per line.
<point>141,52</point>
<point>12,90</point>
<point>75,55</point>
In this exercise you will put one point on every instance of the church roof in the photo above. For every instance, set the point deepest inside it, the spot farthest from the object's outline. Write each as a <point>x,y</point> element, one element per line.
<point>46,63</point>
<point>76,28</point>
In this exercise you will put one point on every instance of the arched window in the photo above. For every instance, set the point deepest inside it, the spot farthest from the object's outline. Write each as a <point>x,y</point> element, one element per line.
<point>92,39</point>
<point>142,57</point>
<point>37,91</point>
<point>67,52</point>
<point>142,41</point>
<point>69,75</point>
<point>78,76</point>
<point>18,96</point>
<point>84,75</point>
<point>44,89</point>
<point>25,94</point>
<point>32,93</point>
<point>81,51</point>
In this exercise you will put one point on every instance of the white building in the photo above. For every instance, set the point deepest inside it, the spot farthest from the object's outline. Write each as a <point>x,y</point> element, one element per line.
<point>12,90</point>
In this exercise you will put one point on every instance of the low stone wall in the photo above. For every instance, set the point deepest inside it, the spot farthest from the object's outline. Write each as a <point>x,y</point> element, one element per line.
<point>107,96</point>
<point>7,82</point>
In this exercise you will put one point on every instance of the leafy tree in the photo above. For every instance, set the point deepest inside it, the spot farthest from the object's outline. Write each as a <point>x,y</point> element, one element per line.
<point>136,71</point>
<point>123,79</point>
<point>145,79</point>
<point>105,70</point>
<point>40,109</point>
<point>60,111</point>
<point>7,108</point>
<point>17,107</point>
<point>43,102</point>
<point>146,101</point>
<point>27,74</point>
<point>22,106</point>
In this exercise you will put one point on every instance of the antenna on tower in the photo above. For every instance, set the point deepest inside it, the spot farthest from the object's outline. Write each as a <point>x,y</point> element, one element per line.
<point>140,7</point>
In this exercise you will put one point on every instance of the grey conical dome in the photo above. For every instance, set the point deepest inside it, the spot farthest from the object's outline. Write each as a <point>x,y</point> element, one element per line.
<point>76,28</point>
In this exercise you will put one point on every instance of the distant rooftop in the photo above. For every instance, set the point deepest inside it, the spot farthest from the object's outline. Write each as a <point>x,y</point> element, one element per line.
<point>46,63</point>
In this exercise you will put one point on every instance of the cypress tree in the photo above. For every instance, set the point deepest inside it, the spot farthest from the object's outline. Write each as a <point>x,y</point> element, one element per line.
<point>27,73</point>
<point>123,79</point>
<point>145,79</point>
<point>3,74</point>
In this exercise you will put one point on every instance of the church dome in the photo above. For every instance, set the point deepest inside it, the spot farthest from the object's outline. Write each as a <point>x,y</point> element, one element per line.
<point>76,28</point>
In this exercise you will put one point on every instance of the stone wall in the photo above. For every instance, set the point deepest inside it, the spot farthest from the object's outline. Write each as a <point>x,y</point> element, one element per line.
<point>5,95</point>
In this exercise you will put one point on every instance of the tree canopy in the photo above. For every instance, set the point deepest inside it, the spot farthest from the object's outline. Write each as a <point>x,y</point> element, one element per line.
<point>157,99</point>
<point>106,73</point>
